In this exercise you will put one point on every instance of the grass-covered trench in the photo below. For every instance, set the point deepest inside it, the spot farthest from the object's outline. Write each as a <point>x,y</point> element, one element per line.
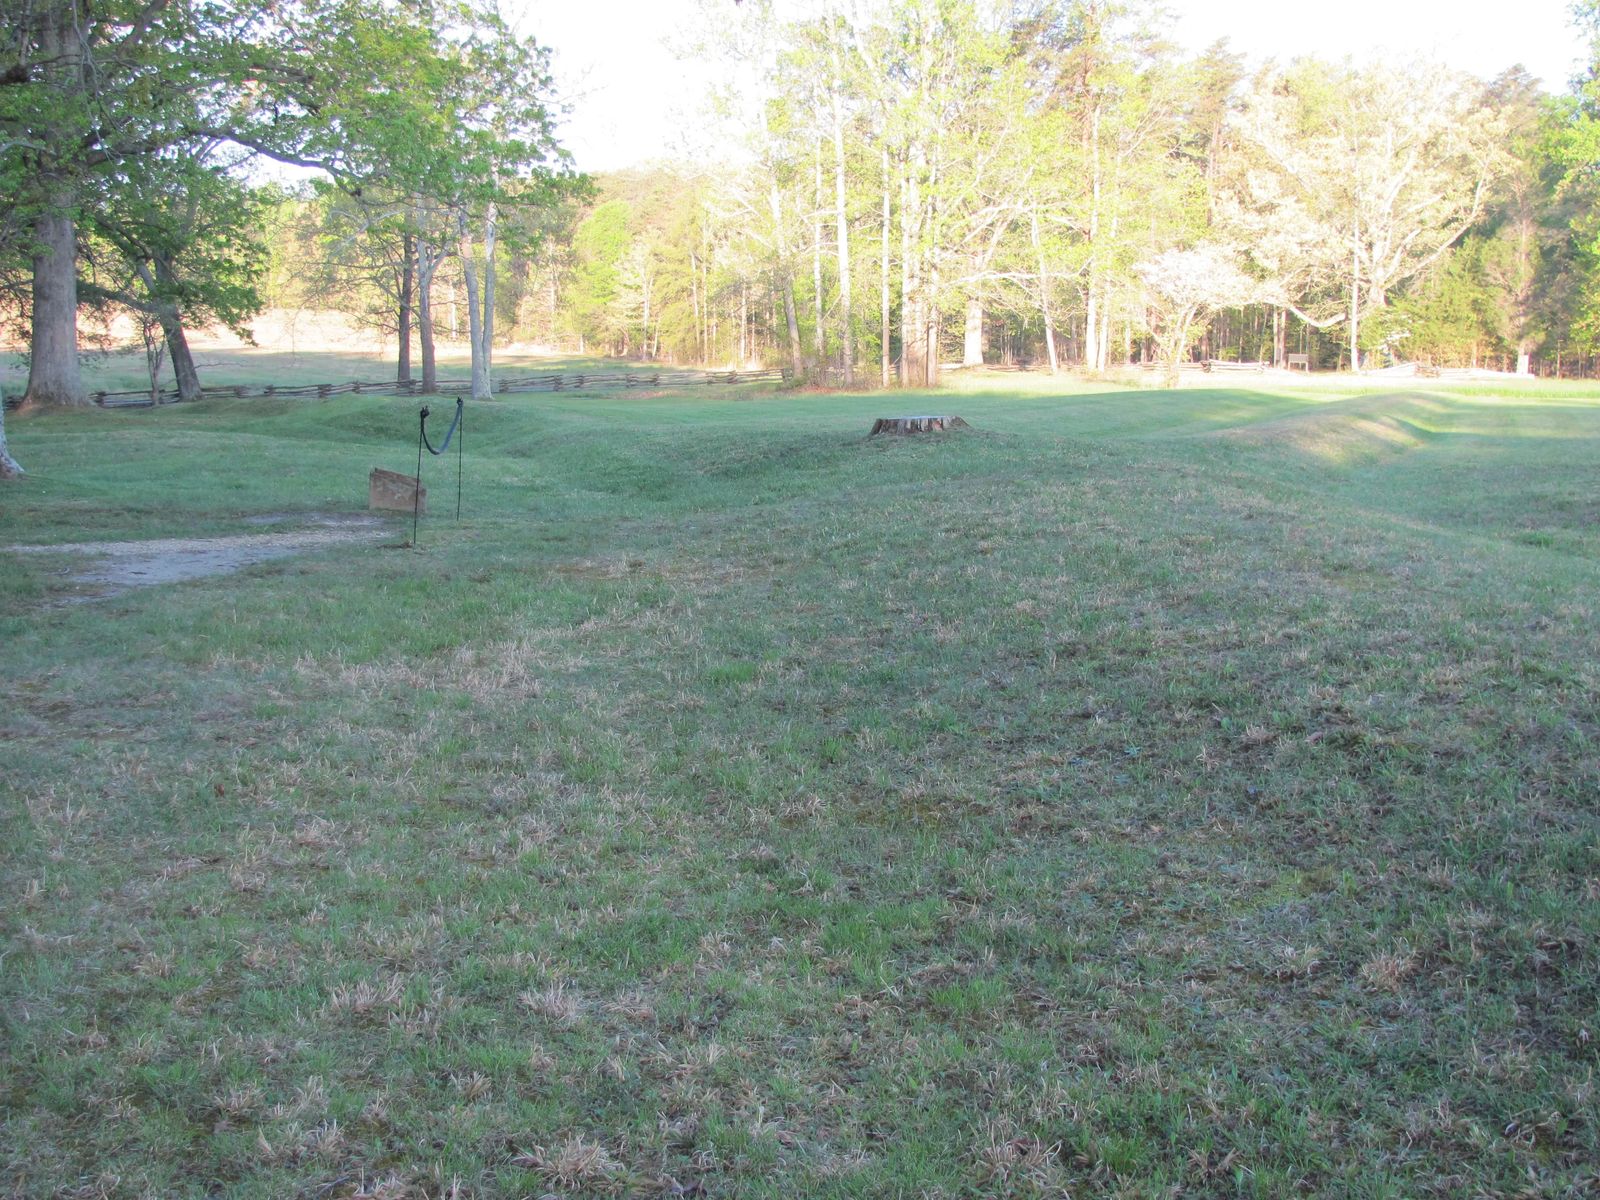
<point>1140,794</point>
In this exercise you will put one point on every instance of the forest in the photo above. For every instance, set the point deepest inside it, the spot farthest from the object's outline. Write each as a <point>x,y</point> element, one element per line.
<point>1049,185</point>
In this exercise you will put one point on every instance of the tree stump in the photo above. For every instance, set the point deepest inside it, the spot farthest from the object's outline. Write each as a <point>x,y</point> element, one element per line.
<point>904,425</point>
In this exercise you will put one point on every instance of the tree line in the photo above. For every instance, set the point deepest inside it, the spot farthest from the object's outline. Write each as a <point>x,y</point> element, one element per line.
<point>927,181</point>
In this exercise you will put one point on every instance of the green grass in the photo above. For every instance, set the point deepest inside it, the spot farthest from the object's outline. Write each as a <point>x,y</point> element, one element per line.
<point>1143,793</point>
<point>123,368</point>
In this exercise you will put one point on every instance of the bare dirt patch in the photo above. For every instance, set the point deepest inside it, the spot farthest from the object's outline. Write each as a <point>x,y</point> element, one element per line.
<point>115,567</point>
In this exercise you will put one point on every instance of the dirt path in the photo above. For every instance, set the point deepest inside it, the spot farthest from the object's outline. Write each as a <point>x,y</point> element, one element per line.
<point>114,567</point>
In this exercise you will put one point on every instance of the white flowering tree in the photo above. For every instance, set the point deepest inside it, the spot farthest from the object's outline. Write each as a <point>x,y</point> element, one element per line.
<point>1183,289</point>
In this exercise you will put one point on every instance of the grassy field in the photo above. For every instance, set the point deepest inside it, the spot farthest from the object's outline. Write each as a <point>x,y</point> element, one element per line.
<point>1142,794</point>
<point>281,362</point>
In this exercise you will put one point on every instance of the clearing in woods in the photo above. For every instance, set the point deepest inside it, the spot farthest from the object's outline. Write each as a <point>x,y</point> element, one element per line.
<point>1133,793</point>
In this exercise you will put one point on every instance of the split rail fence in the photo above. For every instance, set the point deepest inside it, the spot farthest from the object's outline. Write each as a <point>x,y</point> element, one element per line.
<point>555,382</point>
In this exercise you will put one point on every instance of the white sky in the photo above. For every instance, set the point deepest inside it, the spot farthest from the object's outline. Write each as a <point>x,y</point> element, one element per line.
<point>635,100</point>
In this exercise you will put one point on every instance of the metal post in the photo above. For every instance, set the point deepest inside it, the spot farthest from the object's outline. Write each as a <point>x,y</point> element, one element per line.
<point>416,491</point>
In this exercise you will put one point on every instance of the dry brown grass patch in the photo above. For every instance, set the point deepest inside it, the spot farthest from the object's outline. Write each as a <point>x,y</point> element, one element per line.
<point>575,1162</point>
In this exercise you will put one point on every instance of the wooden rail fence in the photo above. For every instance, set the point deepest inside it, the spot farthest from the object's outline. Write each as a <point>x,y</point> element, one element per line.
<point>553,382</point>
<point>1213,366</point>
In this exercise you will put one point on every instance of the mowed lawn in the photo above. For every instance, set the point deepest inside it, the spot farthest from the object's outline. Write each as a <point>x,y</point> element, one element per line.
<point>1140,794</point>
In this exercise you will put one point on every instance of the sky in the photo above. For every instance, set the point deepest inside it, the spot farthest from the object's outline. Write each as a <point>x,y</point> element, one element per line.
<point>636,98</point>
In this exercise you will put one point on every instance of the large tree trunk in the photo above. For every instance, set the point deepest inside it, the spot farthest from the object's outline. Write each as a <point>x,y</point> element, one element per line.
<point>183,367</point>
<point>972,345</point>
<point>53,375</point>
<point>408,274</point>
<point>9,467</point>
<point>469,272</point>
<point>797,362</point>
<point>427,264</point>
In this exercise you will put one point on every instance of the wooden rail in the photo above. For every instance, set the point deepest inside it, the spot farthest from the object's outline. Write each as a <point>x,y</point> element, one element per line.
<point>1213,366</point>
<point>554,382</point>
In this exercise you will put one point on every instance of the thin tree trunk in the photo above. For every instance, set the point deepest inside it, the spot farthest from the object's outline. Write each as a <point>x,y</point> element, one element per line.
<point>1103,353</point>
<point>9,467</point>
<point>1355,301</point>
<point>792,323</point>
<point>1044,296</point>
<point>53,375</point>
<point>818,339</point>
<point>1091,322</point>
<point>550,310</point>
<point>786,283</point>
<point>932,246</point>
<point>486,330</point>
<point>644,344</point>
<point>1180,342</point>
<point>883,279</point>
<point>155,354</point>
<point>847,350</point>
<point>1093,318</point>
<point>972,345</point>
<point>694,300</point>
<point>912,342</point>
<point>408,271</point>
